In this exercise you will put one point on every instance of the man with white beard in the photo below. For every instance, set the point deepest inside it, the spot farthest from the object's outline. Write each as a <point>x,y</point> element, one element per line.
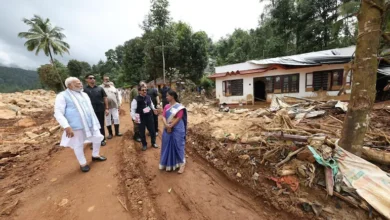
<point>114,99</point>
<point>74,112</point>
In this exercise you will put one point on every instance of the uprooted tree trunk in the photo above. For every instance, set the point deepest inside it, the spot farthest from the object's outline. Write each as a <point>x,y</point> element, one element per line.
<point>364,76</point>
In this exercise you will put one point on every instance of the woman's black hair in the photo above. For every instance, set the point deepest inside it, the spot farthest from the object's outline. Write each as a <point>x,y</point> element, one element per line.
<point>174,95</point>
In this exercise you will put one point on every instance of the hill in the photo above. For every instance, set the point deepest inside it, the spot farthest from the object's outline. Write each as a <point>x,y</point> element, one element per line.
<point>15,79</point>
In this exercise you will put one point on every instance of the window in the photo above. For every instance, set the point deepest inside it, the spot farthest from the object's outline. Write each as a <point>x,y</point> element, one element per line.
<point>337,78</point>
<point>325,80</point>
<point>277,82</point>
<point>290,83</point>
<point>269,84</point>
<point>282,84</point>
<point>320,81</point>
<point>233,87</point>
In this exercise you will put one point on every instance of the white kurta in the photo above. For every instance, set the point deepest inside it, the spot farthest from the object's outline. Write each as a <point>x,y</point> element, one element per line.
<point>77,141</point>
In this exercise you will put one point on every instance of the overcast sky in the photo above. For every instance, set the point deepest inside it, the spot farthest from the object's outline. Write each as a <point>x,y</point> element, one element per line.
<point>95,26</point>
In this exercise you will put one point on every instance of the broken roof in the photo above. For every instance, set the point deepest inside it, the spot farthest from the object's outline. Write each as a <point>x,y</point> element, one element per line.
<point>339,55</point>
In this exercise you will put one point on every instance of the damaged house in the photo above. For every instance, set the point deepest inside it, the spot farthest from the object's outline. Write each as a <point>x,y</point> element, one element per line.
<point>311,75</point>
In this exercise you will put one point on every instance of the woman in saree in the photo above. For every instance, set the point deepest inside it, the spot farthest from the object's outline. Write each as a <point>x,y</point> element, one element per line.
<point>174,135</point>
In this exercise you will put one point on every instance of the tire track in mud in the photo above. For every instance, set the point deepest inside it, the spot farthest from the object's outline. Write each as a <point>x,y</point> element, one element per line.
<point>200,193</point>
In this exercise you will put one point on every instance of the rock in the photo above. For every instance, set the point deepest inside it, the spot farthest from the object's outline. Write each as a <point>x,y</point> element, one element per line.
<point>63,202</point>
<point>53,180</point>
<point>8,209</point>
<point>31,111</point>
<point>90,209</point>
<point>306,155</point>
<point>7,114</point>
<point>139,202</point>
<point>255,176</point>
<point>31,135</point>
<point>25,123</point>
<point>238,175</point>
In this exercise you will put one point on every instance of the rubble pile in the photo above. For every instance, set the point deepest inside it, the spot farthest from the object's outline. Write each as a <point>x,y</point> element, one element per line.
<point>296,147</point>
<point>29,134</point>
<point>28,103</point>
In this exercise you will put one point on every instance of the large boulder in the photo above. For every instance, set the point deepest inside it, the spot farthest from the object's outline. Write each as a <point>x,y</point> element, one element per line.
<point>6,114</point>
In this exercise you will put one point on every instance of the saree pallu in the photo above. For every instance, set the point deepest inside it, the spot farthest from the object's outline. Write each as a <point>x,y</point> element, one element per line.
<point>173,144</point>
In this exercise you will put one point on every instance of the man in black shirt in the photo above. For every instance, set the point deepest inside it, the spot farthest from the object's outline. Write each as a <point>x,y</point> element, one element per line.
<point>152,92</point>
<point>164,92</point>
<point>99,102</point>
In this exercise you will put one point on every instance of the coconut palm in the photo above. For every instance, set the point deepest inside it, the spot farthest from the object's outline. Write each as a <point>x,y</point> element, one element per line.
<point>43,36</point>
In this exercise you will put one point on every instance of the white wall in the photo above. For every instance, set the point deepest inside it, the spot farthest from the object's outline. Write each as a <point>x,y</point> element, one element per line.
<point>237,66</point>
<point>248,83</point>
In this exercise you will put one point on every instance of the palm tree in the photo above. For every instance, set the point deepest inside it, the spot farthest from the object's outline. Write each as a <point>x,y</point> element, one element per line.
<point>42,36</point>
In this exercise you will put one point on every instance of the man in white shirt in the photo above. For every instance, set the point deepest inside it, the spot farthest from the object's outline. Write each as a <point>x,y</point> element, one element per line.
<point>74,112</point>
<point>142,110</point>
<point>114,99</point>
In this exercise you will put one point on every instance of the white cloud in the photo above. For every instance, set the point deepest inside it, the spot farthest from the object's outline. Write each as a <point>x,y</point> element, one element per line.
<point>95,26</point>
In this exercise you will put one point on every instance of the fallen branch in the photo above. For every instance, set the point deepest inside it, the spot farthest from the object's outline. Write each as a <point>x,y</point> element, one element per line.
<point>288,158</point>
<point>122,203</point>
<point>336,119</point>
<point>284,130</point>
<point>379,156</point>
<point>287,137</point>
<point>303,99</point>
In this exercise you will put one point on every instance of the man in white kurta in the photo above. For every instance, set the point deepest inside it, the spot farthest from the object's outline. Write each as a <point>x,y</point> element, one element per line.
<point>114,99</point>
<point>74,112</point>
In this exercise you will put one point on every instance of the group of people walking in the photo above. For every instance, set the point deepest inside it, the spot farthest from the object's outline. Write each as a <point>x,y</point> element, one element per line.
<point>84,112</point>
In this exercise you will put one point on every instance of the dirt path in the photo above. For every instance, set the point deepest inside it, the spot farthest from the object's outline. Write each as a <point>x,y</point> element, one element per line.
<point>133,176</point>
<point>91,195</point>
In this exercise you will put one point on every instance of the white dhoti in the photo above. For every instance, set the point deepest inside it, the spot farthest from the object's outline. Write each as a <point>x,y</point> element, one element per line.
<point>114,112</point>
<point>77,144</point>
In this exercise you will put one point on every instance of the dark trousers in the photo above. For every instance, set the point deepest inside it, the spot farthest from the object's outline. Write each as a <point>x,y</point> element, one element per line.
<point>100,116</point>
<point>155,117</point>
<point>136,130</point>
<point>147,121</point>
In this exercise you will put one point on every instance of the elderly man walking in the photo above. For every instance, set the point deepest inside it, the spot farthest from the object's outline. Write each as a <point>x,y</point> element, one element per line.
<point>114,102</point>
<point>74,112</point>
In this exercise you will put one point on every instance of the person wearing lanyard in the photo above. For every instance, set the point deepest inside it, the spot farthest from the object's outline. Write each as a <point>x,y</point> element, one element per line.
<point>142,110</point>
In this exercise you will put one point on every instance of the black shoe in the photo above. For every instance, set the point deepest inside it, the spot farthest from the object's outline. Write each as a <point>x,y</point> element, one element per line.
<point>137,139</point>
<point>144,148</point>
<point>109,128</point>
<point>84,168</point>
<point>117,133</point>
<point>155,146</point>
<point>101,158</point>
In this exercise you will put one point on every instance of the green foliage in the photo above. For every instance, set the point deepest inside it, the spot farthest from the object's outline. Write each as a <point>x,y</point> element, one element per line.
<point>49,77</point>
<point>207,83</point>
<point>42,36</point>
<point>17,80</point>
<point>78,68</point>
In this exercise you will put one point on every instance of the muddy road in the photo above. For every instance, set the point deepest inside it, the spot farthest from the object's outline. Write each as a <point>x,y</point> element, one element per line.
<point>129,185</point>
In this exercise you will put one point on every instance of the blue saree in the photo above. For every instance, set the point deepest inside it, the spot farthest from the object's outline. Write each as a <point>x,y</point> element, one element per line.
<point>173,144</point>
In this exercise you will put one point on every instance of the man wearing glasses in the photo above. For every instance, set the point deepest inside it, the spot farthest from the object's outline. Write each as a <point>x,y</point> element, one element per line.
<point>99,102</point>
<point>143,107</point>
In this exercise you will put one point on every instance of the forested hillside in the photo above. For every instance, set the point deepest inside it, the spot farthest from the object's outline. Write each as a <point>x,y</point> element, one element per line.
<point>16,79</point>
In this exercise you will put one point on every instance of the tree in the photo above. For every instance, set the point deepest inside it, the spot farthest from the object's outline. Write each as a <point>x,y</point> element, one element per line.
<point>42,36</point>
<point>159,19</point>
<point>134,61</point>
<point>48,75</point>
<point>78,68</point>
<point>364,75</point>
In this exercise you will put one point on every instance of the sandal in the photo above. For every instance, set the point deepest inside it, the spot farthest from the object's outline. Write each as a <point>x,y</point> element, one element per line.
<point>181,170</point>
